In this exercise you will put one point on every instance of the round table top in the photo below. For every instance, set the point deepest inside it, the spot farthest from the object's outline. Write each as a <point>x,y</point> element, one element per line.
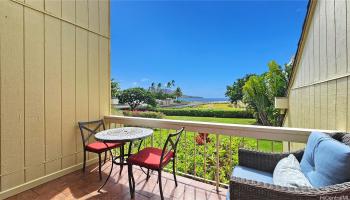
<point>124,134</point>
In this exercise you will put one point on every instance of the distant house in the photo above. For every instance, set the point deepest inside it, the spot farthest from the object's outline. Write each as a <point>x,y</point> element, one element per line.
<point>318,94</point>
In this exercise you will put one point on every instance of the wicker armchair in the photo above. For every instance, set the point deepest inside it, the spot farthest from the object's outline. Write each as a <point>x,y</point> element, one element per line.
<point>244,189</point>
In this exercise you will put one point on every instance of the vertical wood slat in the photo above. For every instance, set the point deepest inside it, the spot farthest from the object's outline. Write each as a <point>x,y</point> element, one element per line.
<point>34,94</point>
<point>94,15</point>
<point>340,36</point>
<point>53,94</point>
<point>82,13</point>
<point>331,102</point>
<point>331,59</point>
<point>316,43</point>
<point>323,41</point>
<point>37,88</point>
<point>93,81</point>
<point>81,76</point>
<point>12,95</point>
<point>68,96</point>
<point>341,104</point>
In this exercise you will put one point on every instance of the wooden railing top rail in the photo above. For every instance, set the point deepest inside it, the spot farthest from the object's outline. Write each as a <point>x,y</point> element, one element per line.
<point>252,131</point>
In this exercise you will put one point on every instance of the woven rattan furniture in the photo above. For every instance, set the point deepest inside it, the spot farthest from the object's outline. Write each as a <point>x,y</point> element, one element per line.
<point>244,189</point>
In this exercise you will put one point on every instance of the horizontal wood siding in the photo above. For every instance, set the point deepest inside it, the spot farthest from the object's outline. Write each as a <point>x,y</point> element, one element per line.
<point>319,96</point>
<point>54,72</point>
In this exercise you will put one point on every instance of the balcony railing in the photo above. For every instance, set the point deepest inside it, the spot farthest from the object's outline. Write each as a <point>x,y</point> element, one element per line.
<point>211,159</point>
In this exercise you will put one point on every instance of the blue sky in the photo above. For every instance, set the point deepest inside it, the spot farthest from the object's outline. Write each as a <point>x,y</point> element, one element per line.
<point>202,45</point>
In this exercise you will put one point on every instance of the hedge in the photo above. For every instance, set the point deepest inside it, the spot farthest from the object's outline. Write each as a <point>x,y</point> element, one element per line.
<point>145,114</point>
<point>206,113</point>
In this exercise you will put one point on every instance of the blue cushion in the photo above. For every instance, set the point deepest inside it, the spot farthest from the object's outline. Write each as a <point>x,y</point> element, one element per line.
<point>252,174</point>
<point>325,161</point>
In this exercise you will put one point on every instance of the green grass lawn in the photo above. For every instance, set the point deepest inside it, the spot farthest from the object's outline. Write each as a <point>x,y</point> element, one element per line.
<point>192,157</point>
<point>228,149</point>
<point>217,106</point>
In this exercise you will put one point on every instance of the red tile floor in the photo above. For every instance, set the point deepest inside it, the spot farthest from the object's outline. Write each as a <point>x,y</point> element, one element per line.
<point>76,185</point>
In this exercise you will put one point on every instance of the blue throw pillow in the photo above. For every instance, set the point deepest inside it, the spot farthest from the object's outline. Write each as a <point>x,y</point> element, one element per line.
<point>325,161</point>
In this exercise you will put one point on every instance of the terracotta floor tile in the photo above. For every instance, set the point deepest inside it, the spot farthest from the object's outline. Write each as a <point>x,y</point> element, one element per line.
<point>78,185</point>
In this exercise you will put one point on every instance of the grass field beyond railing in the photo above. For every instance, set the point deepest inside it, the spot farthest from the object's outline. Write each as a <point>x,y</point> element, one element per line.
<point>212,159</point>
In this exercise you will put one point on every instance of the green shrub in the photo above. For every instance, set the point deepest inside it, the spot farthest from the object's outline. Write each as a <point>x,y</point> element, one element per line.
<point>145,114</point>
<point>206,113</point>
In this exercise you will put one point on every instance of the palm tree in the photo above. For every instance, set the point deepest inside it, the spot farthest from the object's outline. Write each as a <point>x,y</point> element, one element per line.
<point>159,87</point>
<point>178,92</point>
<point>168,85</point>
<point>153,87</point>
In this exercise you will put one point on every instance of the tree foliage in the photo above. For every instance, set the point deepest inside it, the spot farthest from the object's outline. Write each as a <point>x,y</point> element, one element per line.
<point>259,93</point>
<point>135,97</point>
<point>115,88</point>
<point>234,92</point>
<point>178,92</point>
<point>161,91</point>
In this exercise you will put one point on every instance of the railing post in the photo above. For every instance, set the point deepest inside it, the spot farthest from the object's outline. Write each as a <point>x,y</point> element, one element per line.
<point>195,148</point>
<point>205,156</point>
<point>217,181</point>
<point>186,166</point>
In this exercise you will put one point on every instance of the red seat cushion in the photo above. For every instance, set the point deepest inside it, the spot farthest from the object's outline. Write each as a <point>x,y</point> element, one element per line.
<point>99,147</point>
<point>150,158</point>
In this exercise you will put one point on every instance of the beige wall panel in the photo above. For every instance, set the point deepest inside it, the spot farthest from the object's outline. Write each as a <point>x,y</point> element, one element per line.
<point>12,95</point>
<point>11,180</point>
<point>46,80</point>
<point>82,17</point>
<point>306,107</point>
<point>299,110</point>
<point>68,92</point>
<point>94,19</point>
<point>323,41</point>
<point>104,17</point>
<point>38,4</point>
<point>53,166</point>
<point>53,88</point>
<point>348,32</point>
<point>310,58</point>
<point>324,106</point>
<point>93,71</point>
<point>316,42</point>
<point>68,10</point>
<point>302,69</point>
<point>104,76</point>
<point>82,90</point>
<point>331,102</point>
<point>330,39</point>
<point>348,109</point>
<point>311,121</point>
<point>341,104</point>
<point>34,93</point>
<point>34,171</point>
<point>94,101</point>
<point>53,7</point>
<point>317,105</point>
<point>291,110</point>
<point>340,30</point>
<point>68,160</point>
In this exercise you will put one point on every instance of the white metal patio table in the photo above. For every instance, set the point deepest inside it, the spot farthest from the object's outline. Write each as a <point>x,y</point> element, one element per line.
<point>122,135</point>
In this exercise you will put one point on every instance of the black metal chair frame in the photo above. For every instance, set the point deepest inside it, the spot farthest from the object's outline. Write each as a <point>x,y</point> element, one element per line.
<point>98,124</point>
<point>165,152</point>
